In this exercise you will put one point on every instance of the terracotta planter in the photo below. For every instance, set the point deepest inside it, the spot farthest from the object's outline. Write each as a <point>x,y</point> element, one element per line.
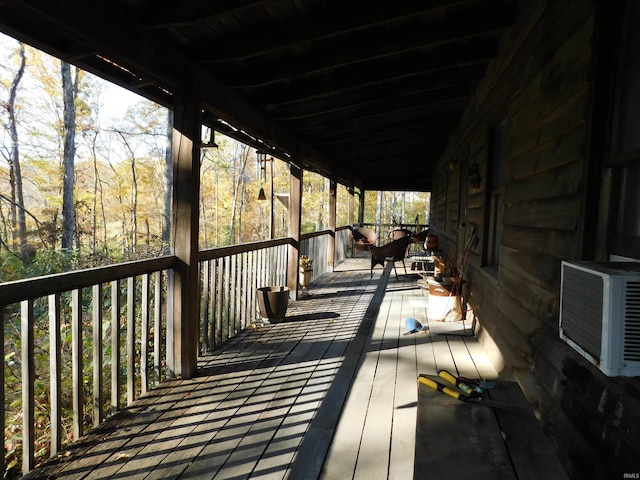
<point>273,302</point>
<point>432,242</point>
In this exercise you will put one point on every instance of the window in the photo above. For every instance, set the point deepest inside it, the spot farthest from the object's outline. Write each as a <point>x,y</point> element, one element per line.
<point>497,144</point>
<point>623,156</point>
<point>464,190</point>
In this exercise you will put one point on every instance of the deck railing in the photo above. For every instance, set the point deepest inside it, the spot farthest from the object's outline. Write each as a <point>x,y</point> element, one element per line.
<point>230,277</point>
<point>116,318</point>
<point>316,247</point>
<point>103,333</point>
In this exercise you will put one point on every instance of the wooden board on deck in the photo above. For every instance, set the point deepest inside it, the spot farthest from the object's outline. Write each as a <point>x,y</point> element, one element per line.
<point>463,440</point>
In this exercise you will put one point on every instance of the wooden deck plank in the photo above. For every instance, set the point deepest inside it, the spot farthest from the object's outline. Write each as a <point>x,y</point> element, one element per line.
<point>462,359</point>
<point>223,393</point>
<point>329,393</point>
<point>375,445</point>
<point>530,451</point>
<point>406,392</point>
<point>483,364</point>
<point>458,440</point>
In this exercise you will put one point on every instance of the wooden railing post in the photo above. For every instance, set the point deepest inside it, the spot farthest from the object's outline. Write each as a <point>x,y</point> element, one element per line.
<point>295,208</point>
<point>351,206</point>
<point>186,194</point>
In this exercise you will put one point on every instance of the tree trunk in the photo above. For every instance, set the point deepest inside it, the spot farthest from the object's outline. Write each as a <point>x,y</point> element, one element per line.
<point>18,211</point>
<point>403,206</point>
<point>68,158</point>
<point>168,183</point>
<point>379,213</point>
<point>133,204</point>
<point>244,155</point>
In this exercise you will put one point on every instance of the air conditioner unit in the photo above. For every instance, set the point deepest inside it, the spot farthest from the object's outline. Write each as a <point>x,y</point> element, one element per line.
<point>600,314</point>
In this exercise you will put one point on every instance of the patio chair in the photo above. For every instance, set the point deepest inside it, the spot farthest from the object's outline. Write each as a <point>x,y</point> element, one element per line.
<point>363,238</point>
<point>399,233</point>
<point>420,237</point>
<point>393,251</point>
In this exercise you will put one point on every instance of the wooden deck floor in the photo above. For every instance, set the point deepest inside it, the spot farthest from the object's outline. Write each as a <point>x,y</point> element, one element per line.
<point>330,393</point>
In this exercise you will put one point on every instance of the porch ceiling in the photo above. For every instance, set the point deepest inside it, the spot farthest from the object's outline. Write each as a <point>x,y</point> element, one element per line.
<point>366,91</point>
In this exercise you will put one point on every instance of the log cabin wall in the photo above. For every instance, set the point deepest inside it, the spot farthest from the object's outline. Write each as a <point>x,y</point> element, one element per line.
<point>541,86</point>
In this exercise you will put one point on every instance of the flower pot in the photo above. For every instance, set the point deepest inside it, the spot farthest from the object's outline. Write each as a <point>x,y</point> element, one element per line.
<point>304,277</point>
<point>273,302</point>
<point>432,242</point>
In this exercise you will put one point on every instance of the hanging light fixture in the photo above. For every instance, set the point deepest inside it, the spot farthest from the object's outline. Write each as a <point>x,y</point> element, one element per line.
<point>261,158</point>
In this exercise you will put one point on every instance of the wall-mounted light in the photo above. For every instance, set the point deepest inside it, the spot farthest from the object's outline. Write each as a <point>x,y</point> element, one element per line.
<point>211,143</point>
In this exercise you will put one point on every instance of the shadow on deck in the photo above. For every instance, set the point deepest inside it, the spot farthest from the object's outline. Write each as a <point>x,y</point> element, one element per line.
<point>330,392</point>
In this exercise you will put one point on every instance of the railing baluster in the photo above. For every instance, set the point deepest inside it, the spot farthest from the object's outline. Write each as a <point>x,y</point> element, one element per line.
<point>218,320</point>
<point>204,309</point>
<point>244,275</point>
<point>254,285</point>
<point>226,320</point>
<point>170,371</point>
<point>55,373</point>
<point>115,346</point>
<point>144,337</point>
<point>98,396</point>
<point>28,377</point>
<point>235,294</point>
<point>157,327</point>
<point>76,362</point>
<point>3,467</point>
<point>131,340</point>
<point>211,304</point>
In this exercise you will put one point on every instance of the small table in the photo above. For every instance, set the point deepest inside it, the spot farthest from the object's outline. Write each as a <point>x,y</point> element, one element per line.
<point>422,264</point>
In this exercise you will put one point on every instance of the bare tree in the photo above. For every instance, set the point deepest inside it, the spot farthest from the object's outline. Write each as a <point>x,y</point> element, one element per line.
<point>238,179</point>
<point>168,183</point>
<point>18,217</point>
<point>69,93</point>
<point>133,205</point>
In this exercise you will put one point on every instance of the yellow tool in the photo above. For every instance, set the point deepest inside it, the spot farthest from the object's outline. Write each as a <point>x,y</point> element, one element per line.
<point>431,383</point>
<point>452,379</point>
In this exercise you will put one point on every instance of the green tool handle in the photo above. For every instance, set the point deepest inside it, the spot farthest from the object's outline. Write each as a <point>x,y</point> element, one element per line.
<point>441,388</point>
<point>456,381</point>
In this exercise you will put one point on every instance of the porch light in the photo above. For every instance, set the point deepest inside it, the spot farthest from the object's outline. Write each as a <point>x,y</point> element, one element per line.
<point>261,157</point>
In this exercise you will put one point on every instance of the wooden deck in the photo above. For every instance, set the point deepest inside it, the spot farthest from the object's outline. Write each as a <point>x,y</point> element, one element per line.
<point>329,393</point>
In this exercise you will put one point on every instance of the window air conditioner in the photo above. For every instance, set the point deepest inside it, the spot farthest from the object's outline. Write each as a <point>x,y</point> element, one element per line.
<point>600,314</point>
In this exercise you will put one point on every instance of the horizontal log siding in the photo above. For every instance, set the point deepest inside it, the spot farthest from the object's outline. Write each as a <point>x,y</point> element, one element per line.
<point>539,82</point>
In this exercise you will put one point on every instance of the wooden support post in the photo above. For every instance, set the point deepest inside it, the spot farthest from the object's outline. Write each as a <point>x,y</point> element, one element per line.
<point>295,208</point>
<point>351,206</point>
<point>361,207</point>
<point>332,223</point>
<point>186,194</point>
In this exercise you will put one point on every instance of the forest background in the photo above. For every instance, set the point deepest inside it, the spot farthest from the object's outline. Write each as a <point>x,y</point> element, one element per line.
<point>85,180</point>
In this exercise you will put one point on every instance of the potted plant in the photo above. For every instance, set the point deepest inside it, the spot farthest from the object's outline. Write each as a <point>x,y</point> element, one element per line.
<point>306,269</point>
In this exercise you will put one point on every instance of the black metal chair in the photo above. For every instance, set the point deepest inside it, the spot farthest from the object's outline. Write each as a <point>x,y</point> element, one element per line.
<point>393,251</point>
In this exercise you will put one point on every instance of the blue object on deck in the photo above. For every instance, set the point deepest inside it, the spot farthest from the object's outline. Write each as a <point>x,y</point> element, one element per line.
<point>413,326</point>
